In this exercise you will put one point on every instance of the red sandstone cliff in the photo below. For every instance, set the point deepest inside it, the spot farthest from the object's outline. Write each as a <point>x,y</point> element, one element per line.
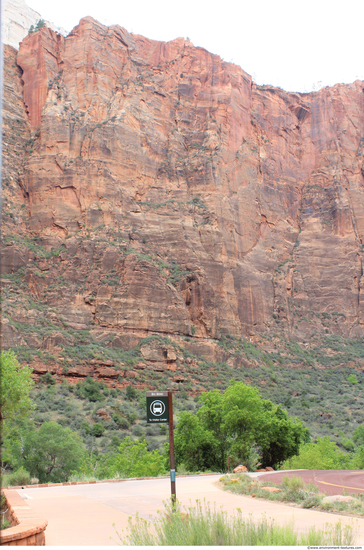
<point>223,207</point>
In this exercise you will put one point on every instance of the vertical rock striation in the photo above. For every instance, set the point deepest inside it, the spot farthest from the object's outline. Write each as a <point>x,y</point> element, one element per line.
<point>237,208</point>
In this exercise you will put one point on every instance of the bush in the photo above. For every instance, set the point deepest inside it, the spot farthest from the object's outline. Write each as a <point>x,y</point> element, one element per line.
<point>311,501</point>
<point>48,379</point>
<point>98,429</point>
<point>137,430</point>
<point>132,417</point>
<point>89,389</point>
<point>86,428</point>
<point>322,455</point>
<point>121,422</point>
<point>19,477</point>
<point>131,393</point>
<point>352,379</point>
<point>134,460</point>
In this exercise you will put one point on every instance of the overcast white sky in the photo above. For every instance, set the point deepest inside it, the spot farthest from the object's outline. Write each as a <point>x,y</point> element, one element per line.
<point>291,44</point>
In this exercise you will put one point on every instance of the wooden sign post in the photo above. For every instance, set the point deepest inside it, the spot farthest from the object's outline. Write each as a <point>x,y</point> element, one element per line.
<point>171,450</point>
<point>160,410</point>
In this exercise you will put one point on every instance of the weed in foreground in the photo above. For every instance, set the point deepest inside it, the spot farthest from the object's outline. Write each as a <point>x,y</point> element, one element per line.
<point>200,526</point>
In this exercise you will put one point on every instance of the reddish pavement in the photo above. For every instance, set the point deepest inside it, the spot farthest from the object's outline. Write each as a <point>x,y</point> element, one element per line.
<point>332,482</point>
<point>83,515</point>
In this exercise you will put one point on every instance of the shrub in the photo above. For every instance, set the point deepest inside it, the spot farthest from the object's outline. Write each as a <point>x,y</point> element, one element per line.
<point>19,477</point>
<point>132,417</point>
<point>89,389</point>
<point>137,430</point>
<point>322,455</point>
<point>134,460</point>
<point>98,429</point>
<point>48,379</point>
<point>311,501</point>
<point>131,393</point>
<point>352,379</point>
<point>121,422</point>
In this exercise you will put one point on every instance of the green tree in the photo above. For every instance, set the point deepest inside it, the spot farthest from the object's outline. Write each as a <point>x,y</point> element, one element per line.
<point>16,384</point>
<point>243,416</point>
<point>194,444</point>
<point>232,423</point>
<point>40,24</point>
<point>51,453</point>
<point>16,441</point>
<point>279,436</point>
<point>134,460</point>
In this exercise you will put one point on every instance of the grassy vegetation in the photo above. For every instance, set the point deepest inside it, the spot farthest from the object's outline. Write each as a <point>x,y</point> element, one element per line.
<point>325,399</point>
<point>201,526</point>
<point>292,489</point>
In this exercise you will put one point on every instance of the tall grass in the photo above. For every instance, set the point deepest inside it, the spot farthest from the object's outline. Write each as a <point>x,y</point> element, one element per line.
<point>201,526</point>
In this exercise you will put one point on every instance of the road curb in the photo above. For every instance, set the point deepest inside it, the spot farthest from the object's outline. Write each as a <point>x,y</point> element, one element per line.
<point>68,483</point>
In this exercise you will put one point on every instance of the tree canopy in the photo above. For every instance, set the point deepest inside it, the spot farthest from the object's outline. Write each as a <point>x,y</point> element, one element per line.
<point>232,424</point>
<point>16,384</point>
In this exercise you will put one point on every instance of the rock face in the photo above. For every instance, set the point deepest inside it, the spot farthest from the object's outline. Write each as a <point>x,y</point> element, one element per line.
<point>172,195</point>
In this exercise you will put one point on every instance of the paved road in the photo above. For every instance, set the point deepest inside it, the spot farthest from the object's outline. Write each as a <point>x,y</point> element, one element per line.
<point>82,515</point>
<point>332,482</point>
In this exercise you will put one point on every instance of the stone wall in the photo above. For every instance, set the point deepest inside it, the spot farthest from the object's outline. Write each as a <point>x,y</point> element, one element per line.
<point>27,529</point>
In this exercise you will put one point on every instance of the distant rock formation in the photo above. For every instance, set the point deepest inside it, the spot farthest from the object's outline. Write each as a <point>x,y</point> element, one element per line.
<point>17,19</point>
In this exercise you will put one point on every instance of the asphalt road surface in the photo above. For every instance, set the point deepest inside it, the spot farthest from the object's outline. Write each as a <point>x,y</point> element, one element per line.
<point>332,482</point>
<point>83,515</point>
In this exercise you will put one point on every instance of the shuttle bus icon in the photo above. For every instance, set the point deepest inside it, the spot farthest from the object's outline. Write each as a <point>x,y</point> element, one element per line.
<point>157,408</point>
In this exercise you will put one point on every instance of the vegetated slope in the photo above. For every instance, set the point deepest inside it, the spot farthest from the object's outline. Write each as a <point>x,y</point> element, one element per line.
<point>326,400</point>
<point>168,222</point>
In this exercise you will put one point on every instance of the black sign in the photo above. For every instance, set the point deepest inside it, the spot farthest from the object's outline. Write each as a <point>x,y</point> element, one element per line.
<point>157,407</point>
